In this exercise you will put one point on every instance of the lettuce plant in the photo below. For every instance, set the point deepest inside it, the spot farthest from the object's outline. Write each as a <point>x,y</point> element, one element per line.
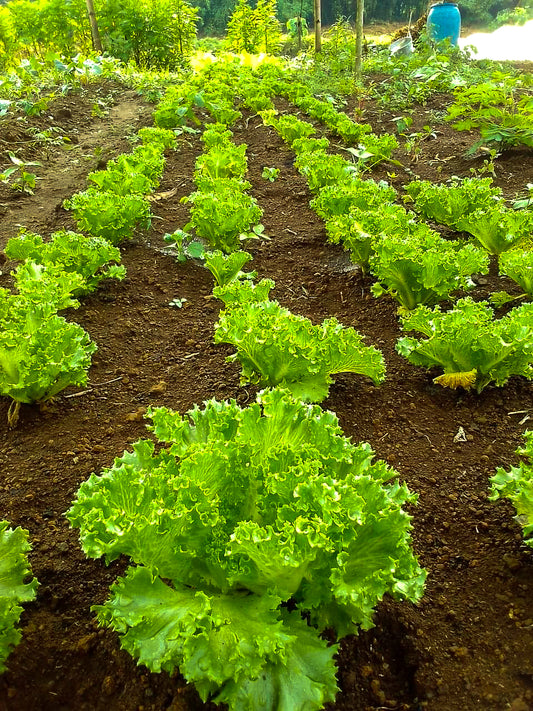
<point>308,145</point>
<point>15,586</point>
<point>358,229</point>
<point>447,204</point>
<point>119,183</point>
<point>289,127</point>
<point>226,268</point>
<point>217,135</point>
<point>470,346</point>
<point>248,509</point>
<point>39,357</point>
<point>177,107</point>
<point>277,347</point>
<point>244,291</point>
<point>422,267</point>
<point>366,195</point>
<point>497,229</point>
<point>163,138</point>
<point>40,352</point>
<point>517,486</point>
<point>146,159</point>
<point>73,253</point>
<point>223,213</point>
<point>223,162</point>
<point>113,217</point>
<point>321,169</point>
<point>518,265</point>
<point>42,292</point>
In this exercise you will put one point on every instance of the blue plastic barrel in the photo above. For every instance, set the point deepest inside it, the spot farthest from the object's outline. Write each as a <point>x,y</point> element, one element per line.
<point>444,22</point>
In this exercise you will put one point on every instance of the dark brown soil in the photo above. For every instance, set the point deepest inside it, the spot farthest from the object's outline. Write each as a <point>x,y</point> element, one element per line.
<point>468,646</point>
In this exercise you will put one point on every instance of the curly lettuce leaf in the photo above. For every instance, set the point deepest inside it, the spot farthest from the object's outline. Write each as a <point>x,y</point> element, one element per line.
<point>303,681</point>
<point>227,268</point>
<point>448,204</point>
<point>240,645</point>
<point>14,571</point>
<point>497,229</point>
<point>335,200</point>
<point>108,215</point>
<point>517,264</point>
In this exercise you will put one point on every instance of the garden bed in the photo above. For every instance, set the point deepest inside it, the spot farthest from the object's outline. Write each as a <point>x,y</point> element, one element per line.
<point>468,645</point>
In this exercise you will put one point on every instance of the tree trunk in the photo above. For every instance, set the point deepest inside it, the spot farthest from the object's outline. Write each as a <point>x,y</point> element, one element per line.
<point>95,34</point>
<point>318,26</point>
<point>359,39</point>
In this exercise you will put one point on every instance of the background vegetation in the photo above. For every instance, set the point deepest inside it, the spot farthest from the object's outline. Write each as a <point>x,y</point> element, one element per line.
<point>160,33</point>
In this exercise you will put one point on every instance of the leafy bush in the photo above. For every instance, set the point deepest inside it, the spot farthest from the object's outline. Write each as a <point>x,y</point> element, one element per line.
<point>14,570</point>
<point>470,346</point>
<point>277,347</point>
<point>514,16</point>
<point>248,509</point>
<point>154,34</point>
<point>254,30</point>
<point>500,109</point>
<point>517,486</point>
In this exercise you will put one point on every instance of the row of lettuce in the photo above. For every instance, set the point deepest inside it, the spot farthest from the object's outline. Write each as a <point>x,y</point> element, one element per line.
<point>248,512</point>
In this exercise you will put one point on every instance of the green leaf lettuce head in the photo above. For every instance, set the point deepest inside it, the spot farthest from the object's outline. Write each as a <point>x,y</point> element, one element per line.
<point>40,352</point>
<point>14,571</point>
<point>227,268</point>
<point>367,195</point>
<point>113,217</point>
<point>420,267</point>
<point>517,486</point>
<point>245,510</point>
<point>74,253</point>
<point>277,347</point>
<point>447,204</point>
<point>471,347</point>
<point>497,229</point>
<point>518,265</point>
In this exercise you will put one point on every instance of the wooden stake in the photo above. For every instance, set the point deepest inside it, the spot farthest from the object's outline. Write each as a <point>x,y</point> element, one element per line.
<point>95,34</point>
<point>318,26</point>
<point>359,39</point>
